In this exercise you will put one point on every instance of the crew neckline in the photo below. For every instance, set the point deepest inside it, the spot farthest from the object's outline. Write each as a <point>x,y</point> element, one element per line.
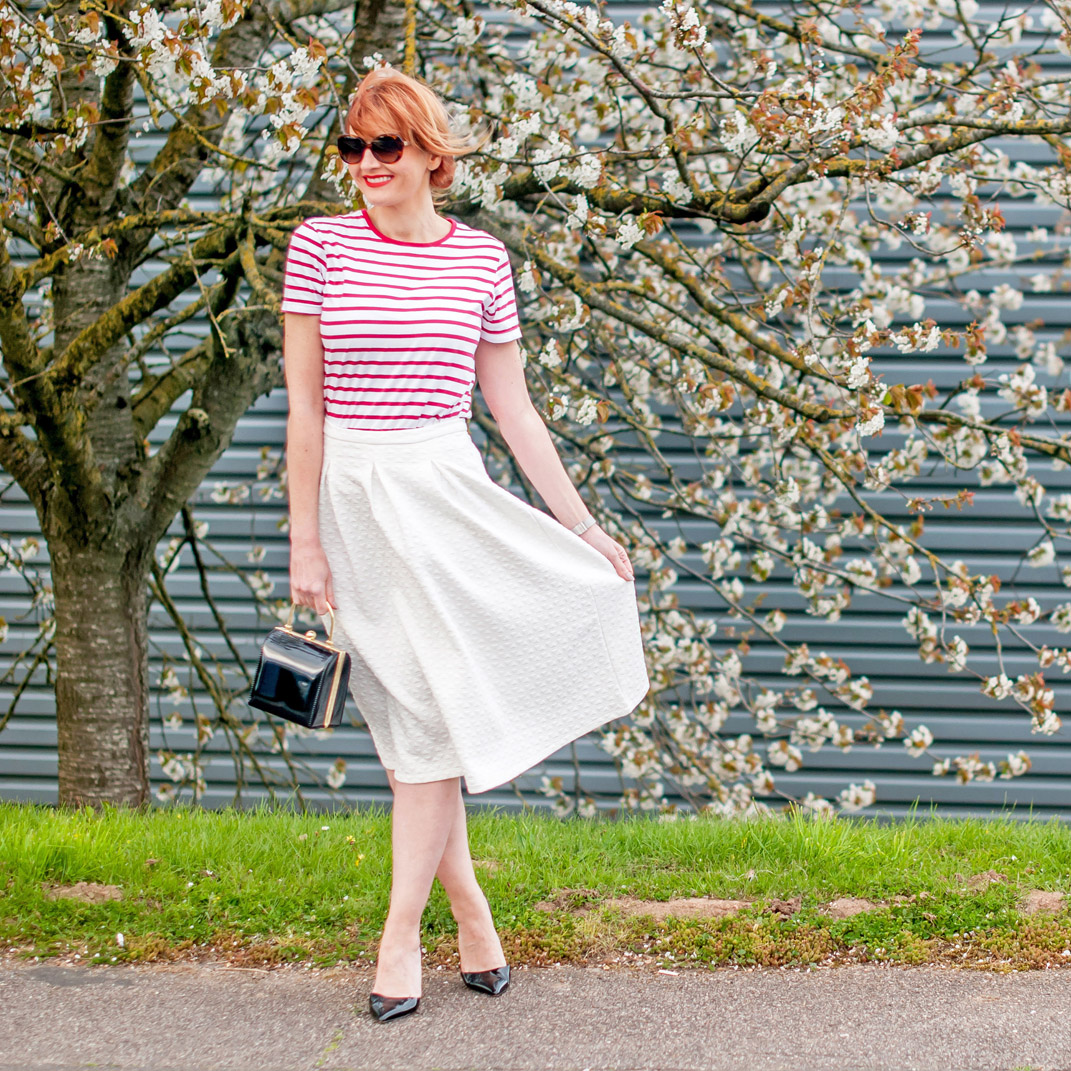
<point>398,241</point>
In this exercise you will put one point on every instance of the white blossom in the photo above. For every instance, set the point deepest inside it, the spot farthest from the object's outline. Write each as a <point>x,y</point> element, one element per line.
<point>736,132</point>
<point>1043,554</point>
<point>629,232</point>
<point>882,136</point>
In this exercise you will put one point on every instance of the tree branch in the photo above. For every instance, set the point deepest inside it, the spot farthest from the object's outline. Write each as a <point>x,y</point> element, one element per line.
<point>668,337</point>
<point>100,178</point>
<point>174,169</point>
<point>20,457</point>
<point>726,316</point>
<point>919,154</point>
<point>156,397</point>
<point>60,427</point>
<point>247,254</point>
<point>91,344</point>
<point>237,375</point>
<point>45,266</point>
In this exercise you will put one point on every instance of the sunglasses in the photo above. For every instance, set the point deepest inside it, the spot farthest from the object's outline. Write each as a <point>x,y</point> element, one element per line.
<point>386,148</point>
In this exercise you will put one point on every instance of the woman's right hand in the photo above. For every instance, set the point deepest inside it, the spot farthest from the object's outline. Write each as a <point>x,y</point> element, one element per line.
<point>310,577</point>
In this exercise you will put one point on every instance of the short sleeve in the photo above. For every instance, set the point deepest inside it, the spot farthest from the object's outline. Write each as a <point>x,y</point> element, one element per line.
<point>500,322</point>
<point>306,272</point>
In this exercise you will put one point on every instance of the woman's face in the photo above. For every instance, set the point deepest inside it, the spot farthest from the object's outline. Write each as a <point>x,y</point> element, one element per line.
<point>392,184</point>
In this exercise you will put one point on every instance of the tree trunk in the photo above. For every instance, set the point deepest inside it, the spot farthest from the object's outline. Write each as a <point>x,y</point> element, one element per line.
<point>102,674</point>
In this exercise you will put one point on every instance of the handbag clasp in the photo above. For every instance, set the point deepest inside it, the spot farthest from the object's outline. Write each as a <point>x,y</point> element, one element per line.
<point>310,635</point>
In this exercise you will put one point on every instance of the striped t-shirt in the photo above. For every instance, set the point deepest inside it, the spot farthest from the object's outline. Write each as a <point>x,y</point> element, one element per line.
<point>400,321</point>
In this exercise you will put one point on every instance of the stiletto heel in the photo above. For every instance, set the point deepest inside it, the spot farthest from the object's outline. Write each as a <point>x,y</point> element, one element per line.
<point>391,1007</point>
<point>493,981</point>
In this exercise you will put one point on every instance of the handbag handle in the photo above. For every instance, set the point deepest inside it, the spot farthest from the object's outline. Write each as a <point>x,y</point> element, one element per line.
<point>290,619</point>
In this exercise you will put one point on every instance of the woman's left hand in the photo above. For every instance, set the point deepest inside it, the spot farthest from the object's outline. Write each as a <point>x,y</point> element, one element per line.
<point>602,542</point>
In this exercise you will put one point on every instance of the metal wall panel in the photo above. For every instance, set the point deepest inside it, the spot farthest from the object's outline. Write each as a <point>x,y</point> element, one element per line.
<point>992,535</point>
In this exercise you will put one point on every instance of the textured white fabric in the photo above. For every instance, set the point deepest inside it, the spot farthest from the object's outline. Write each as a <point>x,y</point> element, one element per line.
<point>484,635</point>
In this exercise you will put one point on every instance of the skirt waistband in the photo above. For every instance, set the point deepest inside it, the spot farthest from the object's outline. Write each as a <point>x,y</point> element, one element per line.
<point>453,425</point>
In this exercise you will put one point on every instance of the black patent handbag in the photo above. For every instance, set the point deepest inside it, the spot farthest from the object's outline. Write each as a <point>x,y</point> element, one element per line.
<point>301,678</point>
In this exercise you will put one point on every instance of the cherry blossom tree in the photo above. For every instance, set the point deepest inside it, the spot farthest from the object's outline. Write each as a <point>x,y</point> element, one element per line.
<point>700,206</point>
<point>96,344</point>
<point>806,144</point>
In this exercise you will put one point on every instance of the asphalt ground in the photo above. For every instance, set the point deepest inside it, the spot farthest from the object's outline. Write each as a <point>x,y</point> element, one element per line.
<point>854,1018</point>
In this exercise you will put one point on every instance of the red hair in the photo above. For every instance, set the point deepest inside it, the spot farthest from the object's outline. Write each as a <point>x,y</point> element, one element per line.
<point>389,101</point>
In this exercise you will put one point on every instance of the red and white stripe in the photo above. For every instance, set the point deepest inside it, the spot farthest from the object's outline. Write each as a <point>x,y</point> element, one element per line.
<point>400,321</point>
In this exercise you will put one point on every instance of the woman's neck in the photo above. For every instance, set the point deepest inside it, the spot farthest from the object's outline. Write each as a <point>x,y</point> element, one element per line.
<point>398,222</point>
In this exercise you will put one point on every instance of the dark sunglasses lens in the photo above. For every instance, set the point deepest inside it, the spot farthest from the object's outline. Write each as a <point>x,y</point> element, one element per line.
<point>349,148</point>
<point>386,148</point>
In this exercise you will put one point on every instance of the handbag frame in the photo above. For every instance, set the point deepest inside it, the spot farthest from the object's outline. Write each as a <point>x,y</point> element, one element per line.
<point>310,637</point>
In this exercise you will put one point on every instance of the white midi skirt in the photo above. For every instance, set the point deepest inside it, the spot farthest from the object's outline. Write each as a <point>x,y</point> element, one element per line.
<point>484,635</point>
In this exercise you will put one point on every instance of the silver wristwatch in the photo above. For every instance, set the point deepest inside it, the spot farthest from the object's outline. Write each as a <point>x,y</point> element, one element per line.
<point>584,525</point>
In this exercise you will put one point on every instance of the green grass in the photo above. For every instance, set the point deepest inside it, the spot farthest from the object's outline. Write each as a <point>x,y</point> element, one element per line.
<point>260,887</point>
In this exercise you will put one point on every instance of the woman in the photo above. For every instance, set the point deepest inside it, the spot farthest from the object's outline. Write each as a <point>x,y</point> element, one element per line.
<point>484,635</point>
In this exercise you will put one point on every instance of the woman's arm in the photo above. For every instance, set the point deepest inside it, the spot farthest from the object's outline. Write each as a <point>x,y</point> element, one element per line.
<point>501,377</point>
<point>303,366</point>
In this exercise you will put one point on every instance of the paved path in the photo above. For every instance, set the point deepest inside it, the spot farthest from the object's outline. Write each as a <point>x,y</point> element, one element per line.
<point>859,1018</point>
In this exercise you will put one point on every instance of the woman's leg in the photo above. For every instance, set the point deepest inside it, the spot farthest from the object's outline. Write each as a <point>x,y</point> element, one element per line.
<point>478,943</point>
<point>421,818</point>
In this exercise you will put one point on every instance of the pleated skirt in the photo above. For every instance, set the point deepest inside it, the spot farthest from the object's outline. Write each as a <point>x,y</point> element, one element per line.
<point>484,635</point>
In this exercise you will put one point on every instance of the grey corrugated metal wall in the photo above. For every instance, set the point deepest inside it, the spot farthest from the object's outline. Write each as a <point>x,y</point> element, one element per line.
<point>991,535</point>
